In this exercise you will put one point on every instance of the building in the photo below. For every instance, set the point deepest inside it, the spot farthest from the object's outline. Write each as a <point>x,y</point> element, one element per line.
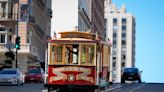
<point>91,16</point>
<point>84,15</point>
<point>120,29</point>
<point>97,17</point>
<point>33,18</point>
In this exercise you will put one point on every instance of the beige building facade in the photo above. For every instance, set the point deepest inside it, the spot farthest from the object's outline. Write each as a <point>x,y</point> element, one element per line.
<point>34,26</point>
<point>120,29</point>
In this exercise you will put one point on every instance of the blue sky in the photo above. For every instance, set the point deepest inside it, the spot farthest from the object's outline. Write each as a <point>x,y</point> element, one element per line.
<point>149,16</point>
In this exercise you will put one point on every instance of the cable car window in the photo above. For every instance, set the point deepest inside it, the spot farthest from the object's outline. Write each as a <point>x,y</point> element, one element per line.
<point>59,54</point>
<point>56,54</point>
<point>72,54</point>
<point>52,55</point>
<point>87,54</point>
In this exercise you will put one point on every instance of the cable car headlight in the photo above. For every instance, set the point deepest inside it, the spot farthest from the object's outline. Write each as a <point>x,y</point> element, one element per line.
<point>71,77</point>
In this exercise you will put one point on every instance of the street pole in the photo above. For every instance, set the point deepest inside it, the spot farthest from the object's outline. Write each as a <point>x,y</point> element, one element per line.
<point>16,53</point>
<point>16,59</point>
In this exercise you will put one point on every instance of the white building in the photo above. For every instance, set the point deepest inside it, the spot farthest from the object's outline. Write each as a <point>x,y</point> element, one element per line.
<point>120,29</point>
<point>87,15</point>
<point>75,13</point>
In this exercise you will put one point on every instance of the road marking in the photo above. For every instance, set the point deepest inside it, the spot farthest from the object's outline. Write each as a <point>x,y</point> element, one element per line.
<point>110,89</point>
<point>44,90</point>
<point>117,90</point>
<point>139,87</point>
<point>47,90</point>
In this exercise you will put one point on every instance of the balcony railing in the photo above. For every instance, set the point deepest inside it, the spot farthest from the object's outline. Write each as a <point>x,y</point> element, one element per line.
<point>8,16</point>
<point>23,49</point>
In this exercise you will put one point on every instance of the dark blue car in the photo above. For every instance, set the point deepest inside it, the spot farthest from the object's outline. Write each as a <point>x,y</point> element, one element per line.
<point>131,74</point>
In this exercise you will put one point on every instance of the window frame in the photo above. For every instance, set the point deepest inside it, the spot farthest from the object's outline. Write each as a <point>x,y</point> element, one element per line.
<point>79,57</point>
<point>124,20</point>
<point>94,54</point>
<point>53,56</point>
<point>2,38</point>
<point>124,27</point>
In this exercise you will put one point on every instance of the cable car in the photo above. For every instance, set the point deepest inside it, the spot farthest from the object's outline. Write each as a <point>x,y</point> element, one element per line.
<point>78,61</point>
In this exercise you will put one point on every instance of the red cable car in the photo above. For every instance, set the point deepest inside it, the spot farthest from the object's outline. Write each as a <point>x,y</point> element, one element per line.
<point>78,61</point>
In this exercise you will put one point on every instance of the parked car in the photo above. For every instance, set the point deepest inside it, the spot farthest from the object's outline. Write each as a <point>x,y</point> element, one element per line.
<point>11,76</point>
<point>131,74</point>
<point>34,75</point>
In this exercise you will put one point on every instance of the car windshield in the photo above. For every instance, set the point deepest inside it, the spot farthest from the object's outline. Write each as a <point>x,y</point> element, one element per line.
<point>36,71</point>
<point>8,72</point>
<point>131,70</point>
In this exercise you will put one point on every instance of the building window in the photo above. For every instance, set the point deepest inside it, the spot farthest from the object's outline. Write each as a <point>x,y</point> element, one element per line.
<point>105,20</point>
<point>114,57</point>
<point>2,29</point>
<point>114,35</point>
<point>24,12</point>
<point>114,42</point>
<point>2,38</point>
<point>114,64</point>
<point>123,57</point>
<point>123,35</point>
<point>123,21</point>
<point>115,28</point>
<point>105,24</point>
<point>123,42</point>
<point>123,64</point>
<point>114,21</point>
<point>123,27</point>
<point>3,9</point>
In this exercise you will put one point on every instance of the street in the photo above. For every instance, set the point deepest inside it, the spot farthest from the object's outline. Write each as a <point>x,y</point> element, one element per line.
<point>127,87</point>
<point>137,87</point>
<point>29,87</point>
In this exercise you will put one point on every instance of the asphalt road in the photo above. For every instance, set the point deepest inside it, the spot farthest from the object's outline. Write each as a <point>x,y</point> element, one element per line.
<point>137,87</point>
<point>30,87</point>
<point>126,87</point>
